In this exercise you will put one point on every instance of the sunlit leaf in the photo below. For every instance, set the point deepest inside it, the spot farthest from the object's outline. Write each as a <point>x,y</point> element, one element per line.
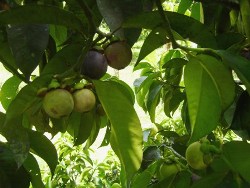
<point>9,91</point>
<point>208,94</point>
<point>126,132</point>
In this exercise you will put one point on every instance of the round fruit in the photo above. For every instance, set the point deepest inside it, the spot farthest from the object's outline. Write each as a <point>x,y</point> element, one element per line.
<point>118,54</point>
<point>58,103</point>
<point>84,100</point>
<point>167,170</point>
<point>195,157</point>
<point>94,65</point>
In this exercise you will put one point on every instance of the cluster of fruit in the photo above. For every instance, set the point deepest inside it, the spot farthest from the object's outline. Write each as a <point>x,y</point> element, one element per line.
<point>117,55</point>
<point>60,102</point>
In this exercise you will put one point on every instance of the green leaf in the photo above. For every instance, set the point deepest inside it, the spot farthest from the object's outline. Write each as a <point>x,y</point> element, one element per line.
<point>6,57</point>
<point>31,166</point>
<point>54,15</point>
<point>209,181</point>
<point>44,148</point>
<point>126,132</point>
<point>239,64</point>
<point>115,12</point>
<point>17,138</point>
<point>63,60</point>
<point>237,154</point>
<point>153,98</point>
<point>241,119</point>
<point>82,123</point>
<point>27,43</point>
<point>183,6</point>
<point>59,33</point>
<point>143,179</point>
<point>194,30</point>
<point>196,12</point>
<point>209,94</point>
<point>9,91</point>
<point>125,89</point>
<point>156,38</point>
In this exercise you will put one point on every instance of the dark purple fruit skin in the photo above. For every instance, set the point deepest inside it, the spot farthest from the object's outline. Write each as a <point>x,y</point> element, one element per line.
<point>94,65</point>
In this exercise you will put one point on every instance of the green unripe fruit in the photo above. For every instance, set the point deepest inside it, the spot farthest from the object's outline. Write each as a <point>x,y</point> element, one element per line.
<point>84,100</point>
<point>118,54</point>
<point>167,170</point>
<point>58,103</point>
<point>195,157</point>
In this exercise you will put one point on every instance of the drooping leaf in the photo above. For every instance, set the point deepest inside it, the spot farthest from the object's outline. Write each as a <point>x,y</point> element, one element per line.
<point>54,15</point>
<point>31,166</point>
<point>82,124</point>
<point>239,64</point>
<point>153,98</point>
<point>236,153</point>
<point>194,30</point>
<point>9,91</point>
<point>126,133</point>
<point>27,43</point>
<point>44,148</point>
<point>207,94</point>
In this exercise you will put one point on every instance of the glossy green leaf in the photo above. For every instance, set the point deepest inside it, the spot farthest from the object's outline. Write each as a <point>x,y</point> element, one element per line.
<point>126,132</point>
<point>153,98</point>
<point>54,15</point>
<point>44,148</point>
<point>156,38</point>
<point>194,30</point>
<point>237,154</point>
<point>94,132</point>
<point>125,89</point>
<point>9,90</point>
<point>63,60</point>
<point>31,166</point>
<point>239,64</point>
<point>210,93</point>
<point>196,11</point>
<point>59,33</point>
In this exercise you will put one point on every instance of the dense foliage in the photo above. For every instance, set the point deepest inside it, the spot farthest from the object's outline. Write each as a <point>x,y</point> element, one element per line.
<point>65,47</point>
